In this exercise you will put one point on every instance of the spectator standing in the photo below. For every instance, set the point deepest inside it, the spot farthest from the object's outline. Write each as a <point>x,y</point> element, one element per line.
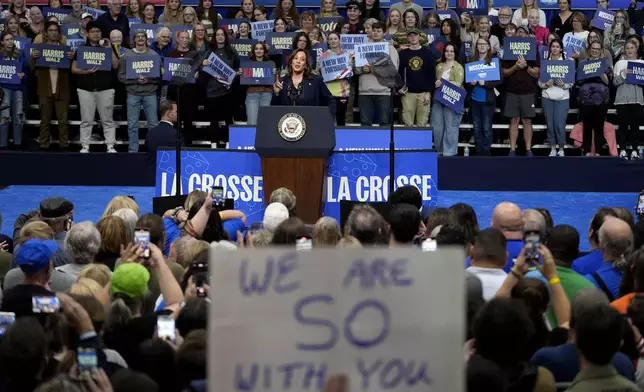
<point>373,97</point>
<point>353,17</point>
<point>483,31</point>
<point>77,12</point>
<point>134,9</point>
<point>394,22</point>
<point>593,99</point>
<point>340,89</point>
<point>419,73</point>
<point>328,8</point>
<point>446,122</point>
<point>162,44</point>
<point>488,258</point>
<point>562,22</point>
<point>164,134</point>
<point>149,15</point>
<point>114,19</point>
<point>371,9</point>
<point>19,9</point>
<point>410,20</point>
<point>483,99</point>
<point>555,98</point>
<point>53,91</point>
<point>505,18</point>
<point>287,10</point>
<point>14,94</point>
<point>443,5</point>
<point>403,6</point>
<point>615,36</point>
<point>206,14</point>
<point>628,101</point>
<point>96,91</point>
<point>534,29</point>
<point>636,16</point>
<point>82,244</point>
<point>141,92</point>
<point>579,29</point>
<point>172,13</point>
<point>520,17</point>
<point>220,103</point>
<point>12,25</point>
<point>592,261</point>
<point>199,39</point>
<point>595,35</point>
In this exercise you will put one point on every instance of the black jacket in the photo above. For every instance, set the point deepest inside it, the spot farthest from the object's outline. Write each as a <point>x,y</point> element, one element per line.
<point>314,93</point>
<point>163,135</point>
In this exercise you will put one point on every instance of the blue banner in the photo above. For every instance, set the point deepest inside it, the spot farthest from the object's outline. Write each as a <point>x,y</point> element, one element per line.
<point>257,73</point>
<point>429,4</point>
<point>591,68</point>
<point>328,24</point>
<point>351,176</point>
<point>279,43</point>
<point>89,57</point>
<point>9,70</point>
<point>93,11</point>
<point>636,76</point>
<point>451,96</point>
<point>554,70</point>
<point>150,30</point>
<point>75,43</point>
<point>478,70</point>
<point>133,21</point>
<point>232,24</point>
<point>336,67</point>
<point>444,14</point>
<point>348,42</point>
<point>574,43</point>
<point>178,70</point>
<point>351,139</point>
<point>174,29</point>
<point>513,47</point>
<point>220,70</point>
<point>603,19</point>
<point>317,50</point>
<point>69,30</point>
<point>258,30</point>
<point>142,66</point>
<point>58,13</point>
<point>22,43</point>
<point>52,56</point>
<point>432,34</point>
<point>544,52</point>
<point>244,47</point>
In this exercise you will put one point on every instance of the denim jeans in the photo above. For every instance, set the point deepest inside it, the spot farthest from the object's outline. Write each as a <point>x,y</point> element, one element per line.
<point>556,115</point>
<point>372,104</point>
<point>445,125</point>
<point>482,114</point>
<point>253,102</point>
<point>104,102</point>
<point>134,105</point>
<point>14,113</point>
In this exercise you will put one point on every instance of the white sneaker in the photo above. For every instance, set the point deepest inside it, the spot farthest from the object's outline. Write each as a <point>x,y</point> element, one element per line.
<point>635,155</point>
<point>623,154</point>
<point>560,153</point>
<point>111,149</point>
<point>553,153</point>
<point>84,150</point>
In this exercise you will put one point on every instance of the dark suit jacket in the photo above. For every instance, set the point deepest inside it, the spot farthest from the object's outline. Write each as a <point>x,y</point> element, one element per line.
<point>314,93</point>
<point>163,135</point>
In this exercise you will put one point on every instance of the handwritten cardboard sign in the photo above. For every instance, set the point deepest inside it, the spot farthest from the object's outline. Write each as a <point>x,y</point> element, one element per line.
<point>284,320</point>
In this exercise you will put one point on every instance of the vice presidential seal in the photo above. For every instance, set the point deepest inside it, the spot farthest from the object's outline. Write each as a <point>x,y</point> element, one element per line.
<point>291,127</point>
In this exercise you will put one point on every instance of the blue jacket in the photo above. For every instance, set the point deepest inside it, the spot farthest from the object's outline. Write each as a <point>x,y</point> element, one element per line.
<point>314,93</point>
<point>589,263</point>
<point>22,58</point>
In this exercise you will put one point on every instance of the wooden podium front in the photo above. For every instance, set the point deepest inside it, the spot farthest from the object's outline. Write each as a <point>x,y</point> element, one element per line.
<point>304,176</point>
<point>299,164</point>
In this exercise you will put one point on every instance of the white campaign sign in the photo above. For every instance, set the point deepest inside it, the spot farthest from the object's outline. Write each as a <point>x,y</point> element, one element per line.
<point>282,320</point>
<point>373,47</point>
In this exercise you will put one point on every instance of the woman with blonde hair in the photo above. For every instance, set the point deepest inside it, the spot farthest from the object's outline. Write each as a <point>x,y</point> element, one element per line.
<point>100,273</point>
<point>119,202</point>
<point>88,287</point>
<point>172,13</point>
<point>326,233</point>
<point>328,8</point>
<point>189,17</point>
<point>520,17</point>
<point>615,36</point>
<point>36,229</point>
<point>114,236</point>
<point>394,22</point>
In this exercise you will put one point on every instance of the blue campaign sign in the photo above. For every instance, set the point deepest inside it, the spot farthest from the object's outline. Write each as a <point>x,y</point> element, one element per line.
<point>244,47</point>
<point>451,96</point>
<point>573,43</point>
<point>348,42</point>
<point>358,176</point>
<point>429,4</point>
<point>9,70</point>
<point>75,43</point>
<point>591,68</point>
<point>93,11</point>
<point>636,76</point>
<point>603,19</point>
<point>317,50</point>
<point>174,29</point>
<point>543,52</point>
<point>513,47</point>
<point>231,24</point>
<point>70,29</point>
<point>478,70</point>
<point>259,29</point>
<point>279,43</point>
<point>554,70</point>
<point>445,14</point>
<point>432,34</point>
<point>142,66</point>
<point>22,42</point>
<point>134,21</point>
<point>328,24</point>
<point>220,70</point>
<point>52,56</point>
<point>150,30</point>
<point>89,57</point>
<point>351,139</point>
<point>178,70</point>
<point>336,67</point>
<point>257,73</point>
<point>58,13</point>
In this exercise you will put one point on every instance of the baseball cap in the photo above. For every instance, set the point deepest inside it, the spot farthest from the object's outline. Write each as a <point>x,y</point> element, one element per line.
<point>413,30</point>
<point>130,279</point>
<point>352,4</point>
<point>86,15</point>
<point>55,207</point>
<point>34,255</point>
<point>275,214</point>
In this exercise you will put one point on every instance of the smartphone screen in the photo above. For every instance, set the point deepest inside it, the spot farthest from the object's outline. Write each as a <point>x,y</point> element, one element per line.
<point>218,196</point>
<point>166,328</point>
<point>639,209</point>
<point>142,237</point>
<point>87,361</point>
<point>6,319</point>
<point>45,304</point>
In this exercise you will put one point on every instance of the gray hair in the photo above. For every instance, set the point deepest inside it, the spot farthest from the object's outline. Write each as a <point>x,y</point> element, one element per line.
<point>505,7</point>
<point>129,217</point>
<point>284,196</point>
<point>370,21</point>
<point>82,243</point>
<point>161,30</point>
<point>586,298</point>
<point>533,220</point>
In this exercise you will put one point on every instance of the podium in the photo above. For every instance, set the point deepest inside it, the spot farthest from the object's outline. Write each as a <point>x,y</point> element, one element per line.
<point>294,143</point>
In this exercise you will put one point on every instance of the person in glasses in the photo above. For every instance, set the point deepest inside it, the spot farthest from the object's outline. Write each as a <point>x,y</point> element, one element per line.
<point>505,18</point>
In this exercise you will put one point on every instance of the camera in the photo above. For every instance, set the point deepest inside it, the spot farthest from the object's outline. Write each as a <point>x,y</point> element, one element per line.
<point>218,197</point>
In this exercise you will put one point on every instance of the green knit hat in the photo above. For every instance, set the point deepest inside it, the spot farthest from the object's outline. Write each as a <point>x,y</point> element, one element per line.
<point>130,279</point>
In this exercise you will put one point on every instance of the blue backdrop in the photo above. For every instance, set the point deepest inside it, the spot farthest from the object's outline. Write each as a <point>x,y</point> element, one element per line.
<point>351,176</point>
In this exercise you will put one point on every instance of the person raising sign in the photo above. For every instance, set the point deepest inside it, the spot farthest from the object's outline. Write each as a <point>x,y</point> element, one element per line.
<point>301,88</point>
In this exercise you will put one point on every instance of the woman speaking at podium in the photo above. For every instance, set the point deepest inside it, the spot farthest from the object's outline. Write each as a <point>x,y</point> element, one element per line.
<point>301,88</point>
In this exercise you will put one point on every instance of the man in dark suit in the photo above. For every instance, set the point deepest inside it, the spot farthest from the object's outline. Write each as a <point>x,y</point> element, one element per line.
<point>164,134</point>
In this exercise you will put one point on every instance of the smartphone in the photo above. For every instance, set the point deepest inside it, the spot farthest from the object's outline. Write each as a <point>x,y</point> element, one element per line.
<point>166,328</point>
<point>87,362</point>
<point>532,242</point>
<point>218,196</point>
<point>142,237</point>
<point>6,319</point>
<point>45,304</point>
<point>639,208</point>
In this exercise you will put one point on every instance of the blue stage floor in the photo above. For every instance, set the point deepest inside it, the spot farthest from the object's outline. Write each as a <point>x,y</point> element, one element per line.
<point>574,208</point>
